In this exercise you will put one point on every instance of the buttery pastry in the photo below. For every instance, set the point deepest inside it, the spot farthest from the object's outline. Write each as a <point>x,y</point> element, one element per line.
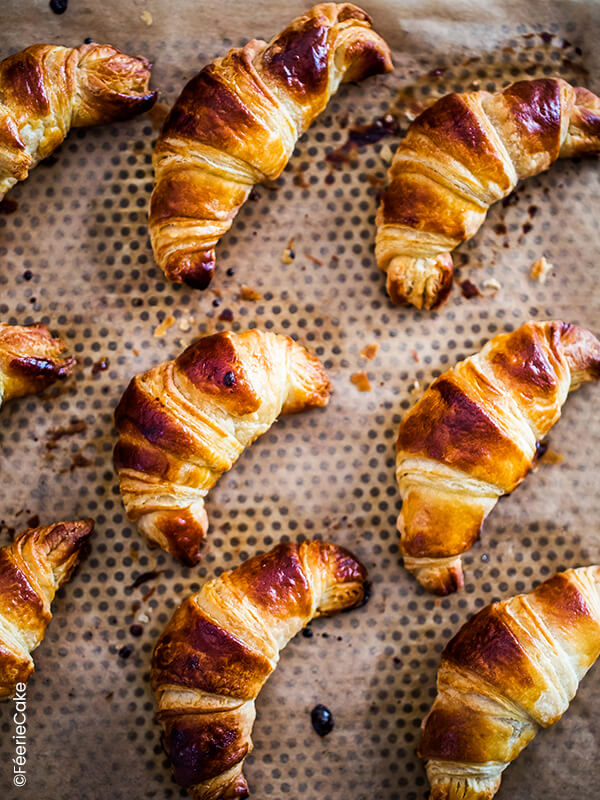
<point>32,569</point>
<point>513,668</point>
<point>461,155</point>
<point>471,438</point>
<point>46,89</point>
<point>29,360</point>
<point>185,422</point>
<point>237,123</point>
<point>222,644</point>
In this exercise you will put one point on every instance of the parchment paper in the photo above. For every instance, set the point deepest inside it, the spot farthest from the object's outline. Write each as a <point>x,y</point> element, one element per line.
<point>75,254</point>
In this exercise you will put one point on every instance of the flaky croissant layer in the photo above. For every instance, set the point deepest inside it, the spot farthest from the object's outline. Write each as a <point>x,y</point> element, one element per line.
<point>30,360</point>
<point>471,438</point>
<point>511,669</point>
<point>237,123</point>
<point>46,89</point>
<point>222,644</point>
<point>459,156</point>
<point>185,422</point>
<point>32,569</point>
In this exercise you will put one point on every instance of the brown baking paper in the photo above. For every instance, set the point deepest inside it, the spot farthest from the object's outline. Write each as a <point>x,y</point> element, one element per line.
<point>75,254</point>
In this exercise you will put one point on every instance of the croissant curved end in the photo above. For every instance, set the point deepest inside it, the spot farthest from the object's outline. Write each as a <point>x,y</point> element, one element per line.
<point>442,578</point>
<point>424,284</point>
<point>194,268</point>
<point>180,531</point>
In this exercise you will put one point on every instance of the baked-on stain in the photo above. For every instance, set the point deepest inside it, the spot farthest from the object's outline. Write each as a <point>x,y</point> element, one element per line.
<point>201,749</point>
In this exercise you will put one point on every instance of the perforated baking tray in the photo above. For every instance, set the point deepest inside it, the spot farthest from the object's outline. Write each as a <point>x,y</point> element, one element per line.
<point>75,254</point>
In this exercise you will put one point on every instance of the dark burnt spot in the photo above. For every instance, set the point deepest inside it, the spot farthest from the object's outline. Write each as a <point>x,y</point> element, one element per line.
<point>299,58</point>
<point>126,651</point>
<point>201,747</point>
<point>101,365</point>
<point>226,315</point>
<point>500,229</point>
<point>209,363</point>
<point>532,211</point>
<point>136,630</point>
<point>58,6</point>
<point>536,110</point>
<point>194,269</point>
<point>144,577</point>
<point>511,200</point>
<point>469,290</point>
<point>527,227</point>
<point>307,633</point>
<point>8,206</point>
<point>322,720</point>
<point>546,37</point>
<point>41,368</point>
<point>540,450</point>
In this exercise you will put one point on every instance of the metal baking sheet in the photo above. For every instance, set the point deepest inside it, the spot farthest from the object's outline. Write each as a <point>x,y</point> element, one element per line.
<point>75,254</point>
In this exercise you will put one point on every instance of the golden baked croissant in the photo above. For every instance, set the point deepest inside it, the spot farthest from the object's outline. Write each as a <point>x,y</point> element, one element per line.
<point>513,668</point>
<point>29,360</point>
<point>472,437</point>
<point>46,89</point>
<point>32,569</point>
<point>185,422</point>
<point>222,644</point>
<point>237,123</point>
<point>461,155</point>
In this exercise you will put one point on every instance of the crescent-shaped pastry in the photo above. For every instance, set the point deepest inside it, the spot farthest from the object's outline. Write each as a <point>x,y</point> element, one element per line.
<point>32,569</point>
<point>185,422</point>
<point>237,123</point>
<point>512,669</point>
<point>29,360</point>
<point>222,644</point>
<point>461,155</point>
<point>471,438</point>
<point>46,89</point>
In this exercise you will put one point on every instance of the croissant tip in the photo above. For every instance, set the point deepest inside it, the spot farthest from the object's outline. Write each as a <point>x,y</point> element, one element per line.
<point>195,269</point>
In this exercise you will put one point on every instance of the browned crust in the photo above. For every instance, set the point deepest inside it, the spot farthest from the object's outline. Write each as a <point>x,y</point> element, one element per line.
<point>537,109</point>
<point>184,533</point>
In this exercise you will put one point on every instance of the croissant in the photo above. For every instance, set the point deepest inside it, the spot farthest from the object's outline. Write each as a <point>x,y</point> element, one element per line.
<point>513,668</point>
<point>237,122</point>
<point>185,422</point>
<point>47,89</point>
<point>29,360</point>
<point>472,437</point>
<point>222,644</point>
<point>32,569</point>
<point>461,155</point>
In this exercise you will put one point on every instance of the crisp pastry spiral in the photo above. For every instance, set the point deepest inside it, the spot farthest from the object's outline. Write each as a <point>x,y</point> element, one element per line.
<point>471,438</point>
<point>185,422</point>
<point>32,569</point>
<point>46,89</point>
<point>461,155</point>
<point>222,644</point>
<point>30,360</point>
<point>237,122</point>
<point>511,669</point>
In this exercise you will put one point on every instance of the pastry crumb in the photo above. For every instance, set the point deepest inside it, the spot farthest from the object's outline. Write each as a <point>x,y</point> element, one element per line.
<point>146,17</point>
<point>288,254</point>
<point>386,154</point>
<point>415,385</point>
<point>247,293</point>
<point>492,284</point>
<point>164,326</point>
<point>415,356</point>
<point>540,270</point>
<point>185,324</point>
<point>361,381</point>
<point>370,351</point>
<point>469,290</point>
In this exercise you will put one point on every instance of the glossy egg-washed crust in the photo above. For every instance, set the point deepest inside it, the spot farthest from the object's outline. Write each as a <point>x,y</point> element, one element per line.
<point>32,569</point>
<point>511,669</point>
<point>472,436</point>
<point>461,155</point>
<point>237,122</point>
<point>185,422</point>
<point>222,644</point>
<point>46,89</point>
<point>30,360</point>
